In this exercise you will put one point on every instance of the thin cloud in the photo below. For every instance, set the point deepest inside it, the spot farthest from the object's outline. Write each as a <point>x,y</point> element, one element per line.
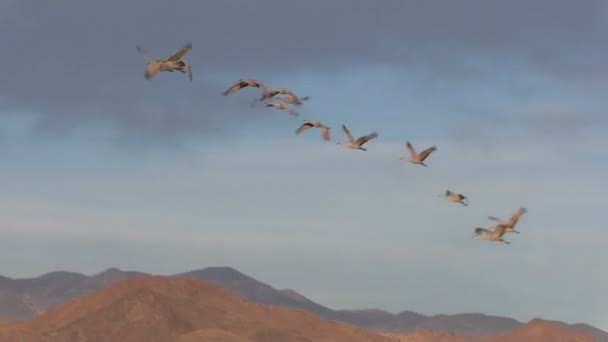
<point>80,66</point>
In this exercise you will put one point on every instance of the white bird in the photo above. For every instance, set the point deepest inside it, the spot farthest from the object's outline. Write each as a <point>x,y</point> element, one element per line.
<point>456,198</point>
<point>281,106</point>
<point>173,63</point>
<point>312,123</point>
<point>356,144</point>
<point>492,234</point>
<point>511,222</point>
<point>418,158</point>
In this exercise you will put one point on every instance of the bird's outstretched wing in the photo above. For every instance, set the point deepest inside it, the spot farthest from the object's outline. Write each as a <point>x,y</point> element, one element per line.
<point>303,127</point>
<point>515,217</point>
<point>179,53</point>
<point>147,55</point>
<point>410,148</point>
<point>362,140</point>
<point>424,154</point>
<point>233,88</point>
<point>345,130</point>
<point>325,132</point>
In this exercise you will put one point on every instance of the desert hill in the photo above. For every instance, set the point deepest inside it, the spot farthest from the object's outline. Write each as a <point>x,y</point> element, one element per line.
<point>22,298</point>
<point>542,330</point>
<point>536,330</point>
<point>166,309</point>
<point>158,308</point>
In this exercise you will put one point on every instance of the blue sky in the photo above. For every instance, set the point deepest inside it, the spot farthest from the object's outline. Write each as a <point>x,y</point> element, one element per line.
<point>103,168</point>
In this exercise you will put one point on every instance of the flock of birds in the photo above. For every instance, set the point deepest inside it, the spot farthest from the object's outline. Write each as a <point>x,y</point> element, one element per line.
<point>271,98</point>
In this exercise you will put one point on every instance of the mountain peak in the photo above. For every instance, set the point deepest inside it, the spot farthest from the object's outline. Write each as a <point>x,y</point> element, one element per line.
<point>160,308</point>
<point>109,270</point>
<point>223,273</point>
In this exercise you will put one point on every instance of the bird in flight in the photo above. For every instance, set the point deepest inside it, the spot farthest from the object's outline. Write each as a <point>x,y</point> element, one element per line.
<point>418,158</point>
<point>456,198</point>
<point>293,99</point>
<point>242,83</point>
<point>356,144</point>
<point>511,222</point>
<point>492,234</point>
<point>313,123</point>
<point>171,64</point>
<point>281,106</point>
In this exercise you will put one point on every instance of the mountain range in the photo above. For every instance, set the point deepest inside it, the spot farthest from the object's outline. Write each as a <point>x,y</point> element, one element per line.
<point>26,298</point>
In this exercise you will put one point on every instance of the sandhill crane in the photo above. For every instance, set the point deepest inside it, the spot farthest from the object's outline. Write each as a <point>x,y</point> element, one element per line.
<point>173,63</point>
<point>456,198</point>
<point>418,158</point>
<point>293,99</point>
<point>241,83</point>
<point>268,94</point>
<point>356,144</point>
<point>279,105</point>
<point>512,221</point>
<point>493,234</point>
<point>312,123</point>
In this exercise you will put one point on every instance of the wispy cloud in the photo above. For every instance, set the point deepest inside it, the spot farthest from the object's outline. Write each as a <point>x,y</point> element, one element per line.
<point>99,80</point>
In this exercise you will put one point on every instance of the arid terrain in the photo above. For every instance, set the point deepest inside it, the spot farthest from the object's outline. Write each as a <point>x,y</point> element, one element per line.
<point>222,304</point>
<point>156,308</point>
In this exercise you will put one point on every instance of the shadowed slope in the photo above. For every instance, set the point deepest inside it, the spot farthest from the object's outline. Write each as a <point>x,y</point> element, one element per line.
<point>28,297</point>
<point>156,308</point>
<point>538,330</point>
<point>21,298</point>
<point>255,290</point>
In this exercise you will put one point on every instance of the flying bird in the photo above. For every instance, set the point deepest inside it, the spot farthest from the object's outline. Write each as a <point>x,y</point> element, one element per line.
<point>171,64</point>
<point>281,106</point>
<point>242,84</point>
<point>293,99</point>
<point>268,94</point>
<point>456,198</point>
<point>356,144</point>
<point>312,123</point>
<point>418,158</point>
<point>511,222</point>
<point>492,234</point>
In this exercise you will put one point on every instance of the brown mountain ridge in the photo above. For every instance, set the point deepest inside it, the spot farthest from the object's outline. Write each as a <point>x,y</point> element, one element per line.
<point>22,298</point>
<point>165,309</point>
<point>536,330</point>
<point>173,309</point>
